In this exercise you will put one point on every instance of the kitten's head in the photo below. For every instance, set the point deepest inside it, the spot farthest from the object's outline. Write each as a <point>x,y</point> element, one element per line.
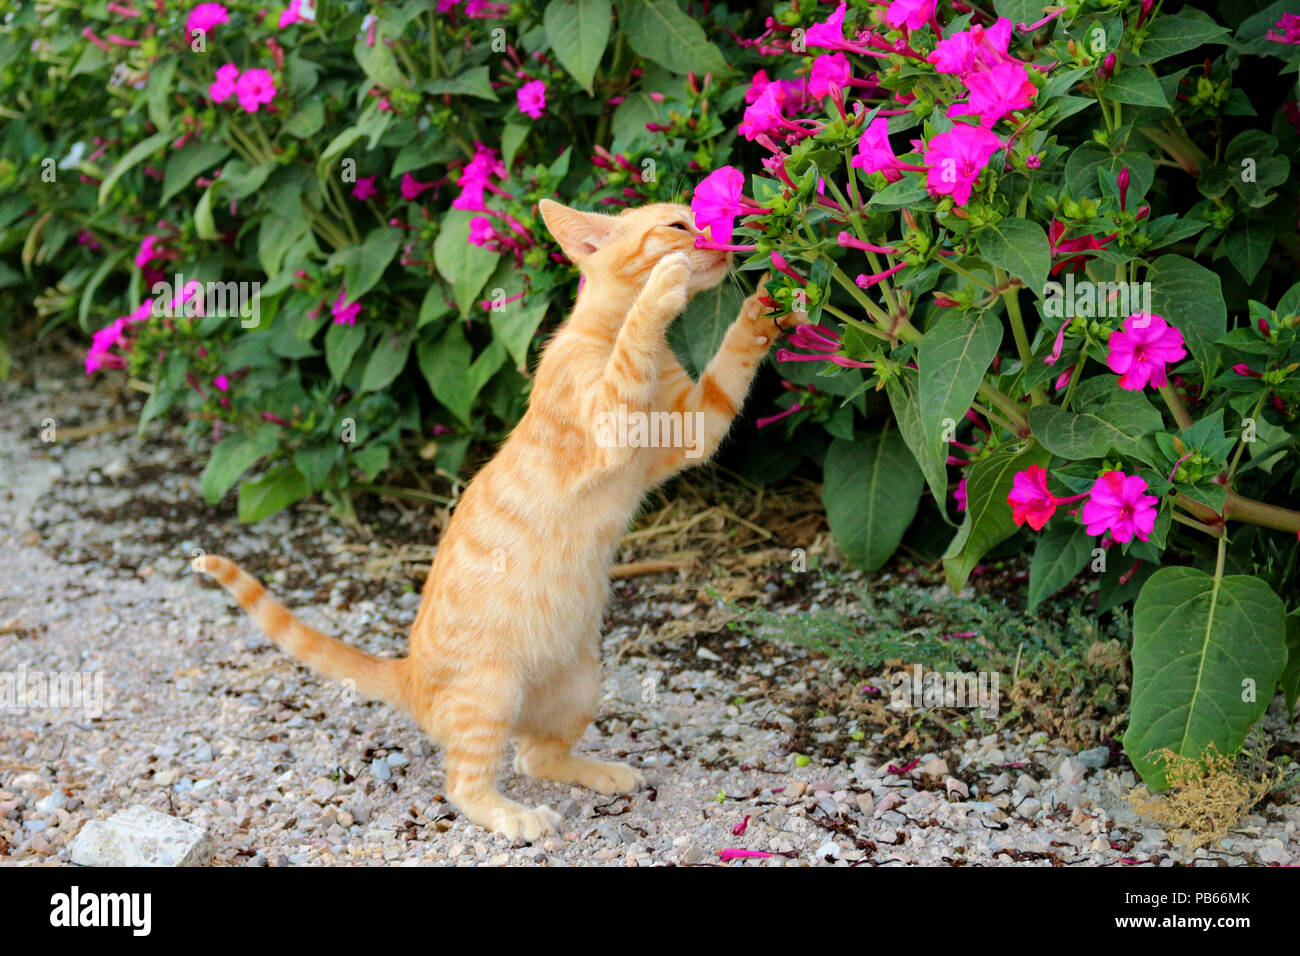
<point>627,246</point>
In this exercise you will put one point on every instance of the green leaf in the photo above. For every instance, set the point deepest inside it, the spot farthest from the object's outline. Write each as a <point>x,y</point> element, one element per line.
<point>317,462</point>
<point>578,31</point>
<point>515,324</point>
<point>1170,35</point>
<point>951,360</point>
<point>905,401</point>
<point>512,137</point>
<point>1207,654</point>
<point>698,333</point>
<point>1122,424</point>
<point>244,180</point>
<point>374,255</point>
<point>1290,679</point>
<point>1062,551</point>
<point>988,516</point>
<point>135,155</point>
<point>463,264</point>
<point>1248,245</point>
<point>1190,297</point>
<point>1021,248</point>
<point>231,457</point>
<point>1088,163</point>
<point>185,164</point>
<point>659,30</point>
<point>277,489</point>
<point>306,120</point>
<point>1137,87</point>
<point>454,376</point>
<point>473,82</point>
<point>871,490</point>
<point>386,361</point>
<point>161,72</point>
<point>341,344</point>
<point>204,224</point>
<point>378,62</point>
<point>275,237</point>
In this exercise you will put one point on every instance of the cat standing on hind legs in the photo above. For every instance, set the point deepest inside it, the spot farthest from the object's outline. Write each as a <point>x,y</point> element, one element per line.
<point>509,651</point>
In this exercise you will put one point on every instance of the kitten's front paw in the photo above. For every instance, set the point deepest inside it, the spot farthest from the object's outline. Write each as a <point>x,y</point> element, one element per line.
<point>606,777</point>
<point>524,823</point>
<point>668,282</point>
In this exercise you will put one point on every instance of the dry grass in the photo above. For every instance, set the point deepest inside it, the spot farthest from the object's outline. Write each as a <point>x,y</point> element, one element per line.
<point>1207,797</point>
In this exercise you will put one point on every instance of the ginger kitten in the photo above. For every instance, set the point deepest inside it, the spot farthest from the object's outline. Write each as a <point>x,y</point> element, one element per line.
<point>506,644</point>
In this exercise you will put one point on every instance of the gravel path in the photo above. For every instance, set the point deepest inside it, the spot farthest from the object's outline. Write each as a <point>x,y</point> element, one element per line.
<point>203,719</point>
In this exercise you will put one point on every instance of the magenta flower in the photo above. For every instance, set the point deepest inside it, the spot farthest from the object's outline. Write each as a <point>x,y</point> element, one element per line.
<point>875,155</point>
<point>474,179</point>
<point>532,98</point>
<point>222,382</point>
<point>959,494</point>
<point>996,92</point>
<point>206,16</point>
<point>823,342</point>
<point>412,187</point>
<point>829,69</point>
<point>959,52</point>
<point>254,88</point>
<point>364,189</point>
<point>1140,352</point>
<point>1290,27</point>
<point>830,35</point>
<point>225,86</point>
<point>1031,502</point>
<point>293,14</point>
<point>716,202</point>
<point>344,314</point>
<point>765,114</point>
<point>148,251</point>
<point>481,231</point>
<point>735,854</point>
<point>912,14</point>
<point>1118,503</point>
<point>956,158</point>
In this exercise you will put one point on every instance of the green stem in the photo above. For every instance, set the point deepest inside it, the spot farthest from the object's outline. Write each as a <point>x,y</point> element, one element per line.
<point>1011,298</point>
<point>1175,402</point>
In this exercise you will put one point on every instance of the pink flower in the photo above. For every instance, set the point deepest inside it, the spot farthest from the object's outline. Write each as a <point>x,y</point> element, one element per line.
<point>1031,502</point>
<point>344,314</point>
<point>224,88</point>
<point>292,15</point>
<point>829,35</point>
<point>1140,352</point>
<point>222,382</point>
<point>532,99</point>
<point>959,494</point>
<point>875,155</point>
<point>206,16</point>
<point>1118,503</point>
<point>412,187</point>
<point>481,231</point>
<point>823,342</point>
<point>956,158</point>
<point>829,69</point>
<point>912,14</point>
<point>254,88</point>
<point>148,251</point>
<point>959,52</point>
<point>1290,27</point>
<point>996,92</point>
<point>766,113</point>
<point>474,178</point>
<point>736,854</point>
<point>364,189</point>
<point>716,202</point>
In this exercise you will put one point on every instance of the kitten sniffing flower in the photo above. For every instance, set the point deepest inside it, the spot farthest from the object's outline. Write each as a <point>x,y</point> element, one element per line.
<point>506,643</point>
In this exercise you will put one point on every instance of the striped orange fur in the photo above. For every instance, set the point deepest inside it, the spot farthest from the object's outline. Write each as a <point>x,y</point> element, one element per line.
<point>506,644</point>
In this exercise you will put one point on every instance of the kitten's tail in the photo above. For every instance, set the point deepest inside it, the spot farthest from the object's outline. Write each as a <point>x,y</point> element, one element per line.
<point>376,677</point>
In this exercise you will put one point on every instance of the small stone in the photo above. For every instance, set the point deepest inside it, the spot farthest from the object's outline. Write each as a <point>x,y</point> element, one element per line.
<point>397,760</point>
<point>1071,771</point>
<point>379,769</point>
<point>1273,852</point>
<point>47,805</point>
<point>829,848</point>
<point>25,782</point>
<point>956,788</point>
<point>1094,759</point>
<point>866,804</point>
<point>888,802</point>
<point>999,783</point>
<point>139,836</point>
<point>935,767</point>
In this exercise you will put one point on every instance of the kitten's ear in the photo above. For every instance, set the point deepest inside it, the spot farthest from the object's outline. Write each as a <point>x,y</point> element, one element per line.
<point>578,233</point>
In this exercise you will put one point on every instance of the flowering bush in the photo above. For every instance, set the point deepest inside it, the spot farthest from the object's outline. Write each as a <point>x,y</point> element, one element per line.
<point>1044,253</point>
<point>983,218</point>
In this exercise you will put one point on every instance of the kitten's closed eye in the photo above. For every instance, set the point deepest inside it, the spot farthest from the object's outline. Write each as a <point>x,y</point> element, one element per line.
<point>684,227</point>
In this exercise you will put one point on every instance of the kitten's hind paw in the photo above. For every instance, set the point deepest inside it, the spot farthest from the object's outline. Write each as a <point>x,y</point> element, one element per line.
<point>526,824</point>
